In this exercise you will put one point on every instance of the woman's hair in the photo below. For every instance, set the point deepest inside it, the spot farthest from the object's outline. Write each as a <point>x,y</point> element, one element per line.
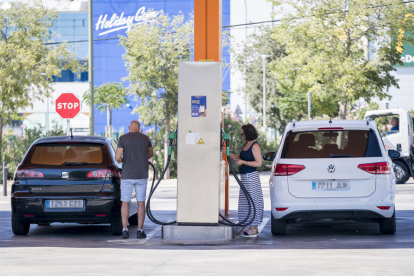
<point>396,120</point>
<point>250,132</point>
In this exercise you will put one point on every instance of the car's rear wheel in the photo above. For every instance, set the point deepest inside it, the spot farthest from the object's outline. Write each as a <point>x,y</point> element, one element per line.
<point>401,172</point>
<point>388,225</point>
<point>279,226</point>
<point>133,220</point>
<point>20,227</point>
<point>116,226</point>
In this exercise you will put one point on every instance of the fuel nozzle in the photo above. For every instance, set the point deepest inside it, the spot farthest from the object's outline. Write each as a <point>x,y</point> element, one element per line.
<point>171,137</point>
<point>226,138</point>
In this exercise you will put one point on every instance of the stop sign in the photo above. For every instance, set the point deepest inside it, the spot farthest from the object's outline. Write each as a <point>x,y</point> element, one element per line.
<point>67,105</point>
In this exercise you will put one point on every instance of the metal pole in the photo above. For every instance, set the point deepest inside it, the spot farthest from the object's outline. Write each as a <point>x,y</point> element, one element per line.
<point>4,178</point>
<point>264,95</point>
<point>245,77</point>
<point>264,92</point>
<point>47,116</point>
<point>68,127</point>
<point>309,105</point>
<point>90,72</point>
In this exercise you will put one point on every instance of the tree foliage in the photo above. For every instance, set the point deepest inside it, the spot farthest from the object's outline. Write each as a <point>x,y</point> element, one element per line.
<point>285,101</point>
<point>107,97</point>
<point>342,50</point>
<point>153,51</point>
<point>27,62</point>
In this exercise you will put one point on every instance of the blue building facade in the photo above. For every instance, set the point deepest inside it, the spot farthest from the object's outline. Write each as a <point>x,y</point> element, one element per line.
<point>109,65</point>
<point>73,26</point>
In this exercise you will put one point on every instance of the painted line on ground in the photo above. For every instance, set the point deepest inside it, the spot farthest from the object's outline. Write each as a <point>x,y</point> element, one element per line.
<point>260,228</point>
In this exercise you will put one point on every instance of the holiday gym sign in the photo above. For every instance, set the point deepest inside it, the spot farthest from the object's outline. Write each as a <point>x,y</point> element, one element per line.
<point>112,23</point>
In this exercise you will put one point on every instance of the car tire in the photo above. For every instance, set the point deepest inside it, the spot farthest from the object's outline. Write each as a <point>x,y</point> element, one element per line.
<point>20,227</point>
<point>401,172</point>
<point>388,225</point>
<point>279,226</point>
<point>133,220</point>
<point>116,226</point>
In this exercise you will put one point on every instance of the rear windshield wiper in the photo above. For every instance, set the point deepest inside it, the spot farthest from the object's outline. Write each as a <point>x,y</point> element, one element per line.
<point>78,163</point>
<point>341,155</point>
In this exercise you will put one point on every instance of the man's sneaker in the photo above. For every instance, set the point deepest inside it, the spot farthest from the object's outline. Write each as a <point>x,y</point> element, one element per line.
<point>125,234</point>
<point>141,234</point>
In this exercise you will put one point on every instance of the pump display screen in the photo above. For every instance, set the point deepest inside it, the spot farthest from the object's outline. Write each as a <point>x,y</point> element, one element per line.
<point>198,106</point>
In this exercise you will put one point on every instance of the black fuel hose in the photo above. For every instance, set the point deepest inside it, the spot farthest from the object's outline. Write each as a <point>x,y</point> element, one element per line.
<point>224,220</point>
<point>153,188</point>
<point>249,198</point>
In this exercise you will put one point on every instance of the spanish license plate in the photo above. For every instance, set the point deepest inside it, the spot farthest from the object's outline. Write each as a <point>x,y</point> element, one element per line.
<point>331,186</point>
<point>64,204</point>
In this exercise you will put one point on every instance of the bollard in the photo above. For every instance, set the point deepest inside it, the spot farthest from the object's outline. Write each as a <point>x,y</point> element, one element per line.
<point>4,178</point>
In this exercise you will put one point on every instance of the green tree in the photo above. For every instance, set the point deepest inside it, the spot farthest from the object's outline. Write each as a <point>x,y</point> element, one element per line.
<point>153,51</point>
<point>285,101</point>
<point>28,61</point>
<point>342,50</point>
<point>107,97</point>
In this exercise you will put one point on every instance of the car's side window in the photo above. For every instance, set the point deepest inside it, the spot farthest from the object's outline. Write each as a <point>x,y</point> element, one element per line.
<point>113,147</point>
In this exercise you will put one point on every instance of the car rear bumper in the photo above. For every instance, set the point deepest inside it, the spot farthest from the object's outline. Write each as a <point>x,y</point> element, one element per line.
<point>333,214</point>
<point>96,210</point>
<point>66,217</point>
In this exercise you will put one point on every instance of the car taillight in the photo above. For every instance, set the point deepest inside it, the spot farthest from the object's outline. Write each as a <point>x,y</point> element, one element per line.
<point>28,174</point>
<point>287,169</point>
<point>102,174</point>
<point>279,209</point>
<point>384,207</point>
<point>375,168</point>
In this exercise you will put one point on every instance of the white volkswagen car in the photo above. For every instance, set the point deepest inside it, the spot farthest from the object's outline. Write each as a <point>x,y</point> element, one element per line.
<point>332,170</point>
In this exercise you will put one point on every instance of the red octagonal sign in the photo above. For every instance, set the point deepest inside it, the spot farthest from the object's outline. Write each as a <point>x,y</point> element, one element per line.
<point>67,105</point>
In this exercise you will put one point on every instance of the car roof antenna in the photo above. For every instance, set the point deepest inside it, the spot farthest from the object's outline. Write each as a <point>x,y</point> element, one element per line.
<point>293,121</point>
<point>368,119</point>
<point>71,133</point>
<point>330,121</point>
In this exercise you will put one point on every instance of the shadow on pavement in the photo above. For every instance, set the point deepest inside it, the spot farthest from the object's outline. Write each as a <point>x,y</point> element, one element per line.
<point>302,235</point>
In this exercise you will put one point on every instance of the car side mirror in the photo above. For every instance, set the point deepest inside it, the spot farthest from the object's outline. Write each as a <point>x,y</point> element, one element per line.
<point>393,154</point>
<point>270,156</point>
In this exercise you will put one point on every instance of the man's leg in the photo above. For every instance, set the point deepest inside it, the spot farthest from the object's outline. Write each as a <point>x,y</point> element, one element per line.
<point>141,214</point>
<point>126,193</point>
<point>125,214</point>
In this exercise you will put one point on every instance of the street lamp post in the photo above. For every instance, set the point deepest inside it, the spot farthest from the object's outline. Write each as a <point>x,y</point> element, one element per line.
<point>244,71</point>
<point>264,92</point>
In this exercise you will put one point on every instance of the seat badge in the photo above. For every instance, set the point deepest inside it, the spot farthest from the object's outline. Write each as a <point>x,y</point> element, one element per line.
<point>331,168</point>
<point>65,174</point>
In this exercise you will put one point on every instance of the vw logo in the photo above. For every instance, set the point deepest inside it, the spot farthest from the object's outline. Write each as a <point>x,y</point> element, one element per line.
<point>331,168</point>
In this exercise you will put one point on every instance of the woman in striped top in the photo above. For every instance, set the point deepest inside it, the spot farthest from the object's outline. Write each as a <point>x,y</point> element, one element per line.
<point>249,159</point>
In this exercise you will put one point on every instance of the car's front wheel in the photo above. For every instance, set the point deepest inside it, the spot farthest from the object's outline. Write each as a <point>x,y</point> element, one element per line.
<point>20,227</point>
<point>388,225</point>
<point>116,226</point>
<point>279,226</point>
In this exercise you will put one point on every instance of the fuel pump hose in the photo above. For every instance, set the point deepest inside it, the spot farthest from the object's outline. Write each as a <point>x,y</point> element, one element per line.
<point>224,221</point>
<point>153,188</point>
<point>252,206</point>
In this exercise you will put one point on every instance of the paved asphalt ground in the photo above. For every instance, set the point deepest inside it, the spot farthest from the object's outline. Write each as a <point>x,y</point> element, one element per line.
<point>313,248</point>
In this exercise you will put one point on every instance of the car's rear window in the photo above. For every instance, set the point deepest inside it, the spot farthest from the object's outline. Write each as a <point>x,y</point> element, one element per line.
<point>331,144</point>
<point>61,154</point>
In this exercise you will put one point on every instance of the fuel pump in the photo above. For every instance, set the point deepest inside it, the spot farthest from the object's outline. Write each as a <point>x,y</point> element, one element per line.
<point>224,221</point>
